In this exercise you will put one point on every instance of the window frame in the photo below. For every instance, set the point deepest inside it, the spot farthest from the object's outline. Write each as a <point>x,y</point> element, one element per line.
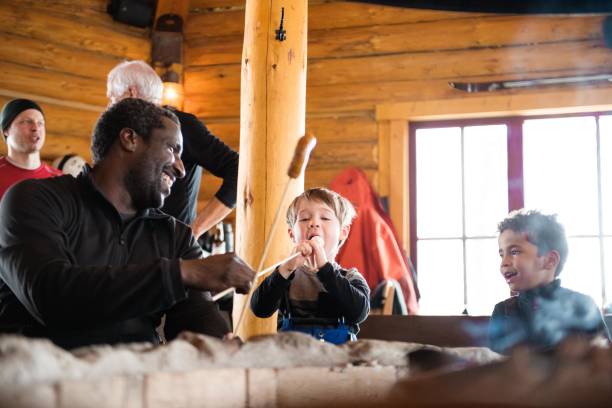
<point>515,176</point>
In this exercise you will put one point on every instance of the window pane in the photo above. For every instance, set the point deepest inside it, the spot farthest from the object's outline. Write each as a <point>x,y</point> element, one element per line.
<point>485,285</point>
<point>440,274</point>
<point>560,170</point>
<point>582,271</point>
<point>486,179</point>
<point>605,133</point>
<point>438,178</point>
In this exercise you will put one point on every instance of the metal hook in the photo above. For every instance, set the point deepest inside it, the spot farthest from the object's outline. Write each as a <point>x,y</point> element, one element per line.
<point>281,34</point>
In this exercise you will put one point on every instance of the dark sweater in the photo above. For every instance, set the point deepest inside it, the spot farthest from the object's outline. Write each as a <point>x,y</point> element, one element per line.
<point>542,317</point>
<point>331,293</point>
<point>71,270</point>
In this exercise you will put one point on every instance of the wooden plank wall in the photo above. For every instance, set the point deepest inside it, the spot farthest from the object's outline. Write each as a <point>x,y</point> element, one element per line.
<point>361,55</point>
<point>59,52</point>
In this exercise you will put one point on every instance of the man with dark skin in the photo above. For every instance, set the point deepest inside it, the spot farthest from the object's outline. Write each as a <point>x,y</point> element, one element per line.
<point>92,259</point>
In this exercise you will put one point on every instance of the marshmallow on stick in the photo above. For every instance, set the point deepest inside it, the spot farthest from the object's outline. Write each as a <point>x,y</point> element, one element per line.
<point>310,262</point>
<point>319,239</point>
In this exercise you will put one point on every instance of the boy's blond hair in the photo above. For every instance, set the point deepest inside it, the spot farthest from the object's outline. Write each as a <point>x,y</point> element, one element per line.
<point>343,209</point>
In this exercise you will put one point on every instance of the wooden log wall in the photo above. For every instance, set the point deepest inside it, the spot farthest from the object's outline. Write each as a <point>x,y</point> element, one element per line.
<point>58,52</point>
<point>361,55</point>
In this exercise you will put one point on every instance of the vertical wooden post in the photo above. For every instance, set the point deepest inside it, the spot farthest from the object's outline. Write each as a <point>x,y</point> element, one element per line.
<point>272,119</point>
<point>399,182</point>
<point>393,172</point>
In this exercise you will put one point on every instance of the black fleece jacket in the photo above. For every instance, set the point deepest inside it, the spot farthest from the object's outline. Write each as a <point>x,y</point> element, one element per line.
<point>71,270</point>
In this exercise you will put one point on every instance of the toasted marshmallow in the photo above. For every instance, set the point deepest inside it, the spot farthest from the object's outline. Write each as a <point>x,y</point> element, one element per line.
<point>318,239</point>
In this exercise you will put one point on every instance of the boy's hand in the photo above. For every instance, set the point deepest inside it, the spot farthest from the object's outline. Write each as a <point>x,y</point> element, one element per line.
<point>318,257</point>
<point>305,249</point>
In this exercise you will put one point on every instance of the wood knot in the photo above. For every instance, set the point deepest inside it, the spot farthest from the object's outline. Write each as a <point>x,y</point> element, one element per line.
<point>248,197</point>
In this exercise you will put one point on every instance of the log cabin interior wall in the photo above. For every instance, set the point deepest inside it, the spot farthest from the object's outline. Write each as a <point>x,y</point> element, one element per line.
<point>58,52</point>
<point>360,56</point>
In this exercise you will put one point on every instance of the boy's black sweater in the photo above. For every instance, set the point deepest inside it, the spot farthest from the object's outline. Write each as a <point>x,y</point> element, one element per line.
<point>542,317</point>
<point>330,293</point>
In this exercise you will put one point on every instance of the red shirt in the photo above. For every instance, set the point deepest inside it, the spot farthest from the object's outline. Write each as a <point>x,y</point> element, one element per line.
<point>11,174</point>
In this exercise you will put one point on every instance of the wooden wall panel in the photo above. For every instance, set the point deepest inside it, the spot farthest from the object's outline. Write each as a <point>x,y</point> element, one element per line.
<point>322,15</point>
<point>347,98</point>
<point>342,141</point>
<point>353,128</point>
<point>421,66</point>
<point>455,34</point>
<point>54,57</point>
<point>58,53</point>
<point>82,9</point>
<point>52,84</point>
<point>361,56</point>
<point>206,5</point>
<point>313,178</point>
<point>100,34</point>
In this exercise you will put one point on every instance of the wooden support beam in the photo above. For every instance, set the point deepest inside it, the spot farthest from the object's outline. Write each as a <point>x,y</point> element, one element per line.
<point>384,162</point>
<point>537,102</point>
<point>393,168</point>
<point>399,181</point>
<point>273,114</point>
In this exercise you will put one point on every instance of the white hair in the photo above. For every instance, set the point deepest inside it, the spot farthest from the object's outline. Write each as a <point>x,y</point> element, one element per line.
<point>137,74</point>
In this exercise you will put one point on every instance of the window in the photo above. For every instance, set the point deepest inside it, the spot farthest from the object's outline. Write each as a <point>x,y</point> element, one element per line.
<point>467,175</point>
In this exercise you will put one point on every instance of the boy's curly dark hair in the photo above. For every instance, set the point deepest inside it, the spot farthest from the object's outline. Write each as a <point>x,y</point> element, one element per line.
<point>136,114</point>
<point>543,231</point>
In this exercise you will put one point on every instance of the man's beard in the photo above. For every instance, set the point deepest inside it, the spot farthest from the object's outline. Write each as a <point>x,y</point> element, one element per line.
<point>144,187</point>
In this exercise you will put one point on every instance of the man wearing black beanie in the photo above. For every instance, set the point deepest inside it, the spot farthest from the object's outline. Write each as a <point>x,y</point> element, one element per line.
<point>23,128</point>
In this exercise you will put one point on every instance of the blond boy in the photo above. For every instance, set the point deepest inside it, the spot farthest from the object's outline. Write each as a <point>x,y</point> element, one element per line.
<point>314,294</point>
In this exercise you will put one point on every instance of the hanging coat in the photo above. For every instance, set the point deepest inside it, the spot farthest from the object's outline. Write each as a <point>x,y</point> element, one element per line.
<point>372,245</point>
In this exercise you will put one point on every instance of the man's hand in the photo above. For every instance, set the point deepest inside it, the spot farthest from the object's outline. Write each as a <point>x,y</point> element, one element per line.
<point>217,272</point>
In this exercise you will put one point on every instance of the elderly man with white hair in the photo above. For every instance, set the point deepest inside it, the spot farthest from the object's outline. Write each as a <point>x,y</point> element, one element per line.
<point>136,79</point>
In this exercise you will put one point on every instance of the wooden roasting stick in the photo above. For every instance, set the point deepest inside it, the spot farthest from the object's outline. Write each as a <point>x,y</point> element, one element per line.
<point>298,165</point>
<point>296,168</point>
<point>262,273</point>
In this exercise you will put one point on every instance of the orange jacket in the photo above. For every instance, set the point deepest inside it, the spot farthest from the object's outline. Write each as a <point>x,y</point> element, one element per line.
<point>372,246</point>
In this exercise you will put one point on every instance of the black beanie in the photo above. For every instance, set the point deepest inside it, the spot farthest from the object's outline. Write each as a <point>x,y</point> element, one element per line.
<point>15,107</point>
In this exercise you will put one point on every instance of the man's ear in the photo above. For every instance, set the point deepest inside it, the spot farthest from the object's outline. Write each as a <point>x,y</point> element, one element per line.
<point>552,260</point>
<point>128,139</point>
